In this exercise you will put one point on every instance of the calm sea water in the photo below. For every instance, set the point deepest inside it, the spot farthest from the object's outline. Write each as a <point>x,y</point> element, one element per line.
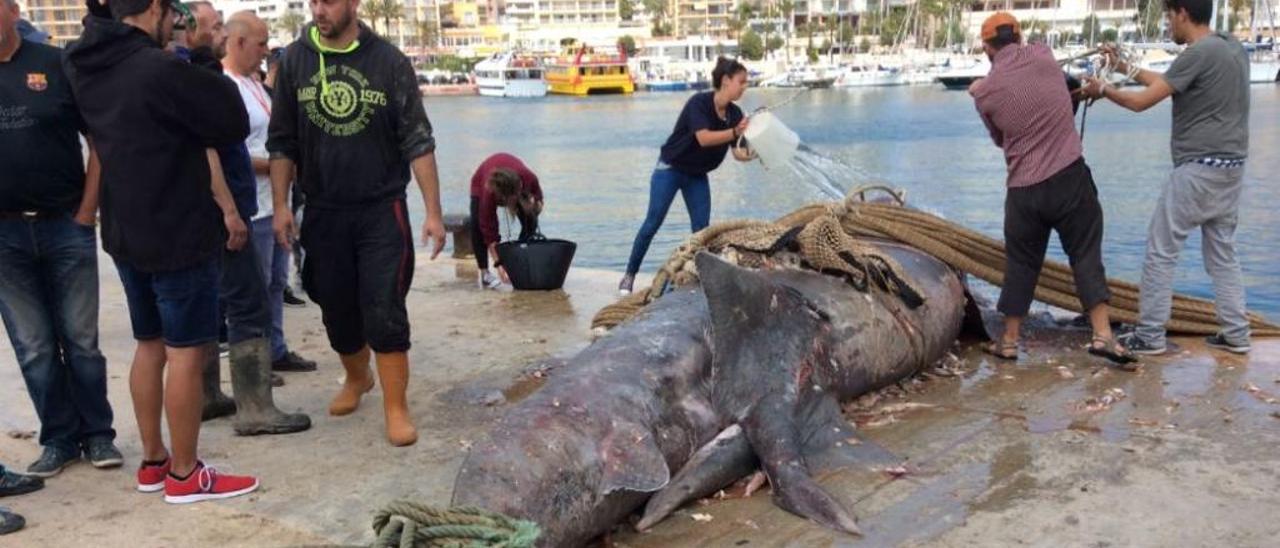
<point>594,157</point>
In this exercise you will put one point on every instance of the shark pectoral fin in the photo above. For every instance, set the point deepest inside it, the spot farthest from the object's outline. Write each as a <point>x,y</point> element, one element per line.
<point>776,442</point>
<point>830,442</point>
<point>720,462</point>
<point>632,460</point>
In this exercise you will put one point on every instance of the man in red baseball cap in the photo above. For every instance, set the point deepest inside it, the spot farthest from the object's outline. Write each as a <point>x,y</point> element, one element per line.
<point>1027,107</point>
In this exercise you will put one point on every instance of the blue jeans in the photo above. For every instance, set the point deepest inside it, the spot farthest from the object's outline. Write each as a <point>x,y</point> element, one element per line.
<point>273,260</point>
<point>663,185</point>
<point>243,294</point>
<point>49,301</point>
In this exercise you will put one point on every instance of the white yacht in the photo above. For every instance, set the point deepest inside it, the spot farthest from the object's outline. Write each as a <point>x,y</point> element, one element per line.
<point>510,75</point>
<point>857,76</point>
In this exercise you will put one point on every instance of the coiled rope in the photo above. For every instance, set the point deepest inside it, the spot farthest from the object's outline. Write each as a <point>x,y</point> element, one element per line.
<point>404,524</point>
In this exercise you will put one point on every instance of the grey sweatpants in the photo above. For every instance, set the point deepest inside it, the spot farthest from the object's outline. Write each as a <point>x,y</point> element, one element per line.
<point>1196,196</point>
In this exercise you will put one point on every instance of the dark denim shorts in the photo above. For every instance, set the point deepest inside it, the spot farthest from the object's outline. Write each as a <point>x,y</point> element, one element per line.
<point>180,306</point>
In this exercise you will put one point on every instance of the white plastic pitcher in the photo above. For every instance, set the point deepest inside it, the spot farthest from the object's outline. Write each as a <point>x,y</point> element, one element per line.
<point>771,140</point>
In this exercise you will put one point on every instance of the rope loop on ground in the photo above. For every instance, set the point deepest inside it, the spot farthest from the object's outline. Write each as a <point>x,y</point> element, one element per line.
<point>406,524</point>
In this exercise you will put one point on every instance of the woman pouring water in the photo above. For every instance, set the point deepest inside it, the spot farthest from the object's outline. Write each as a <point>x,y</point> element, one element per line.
<point>708,125</point>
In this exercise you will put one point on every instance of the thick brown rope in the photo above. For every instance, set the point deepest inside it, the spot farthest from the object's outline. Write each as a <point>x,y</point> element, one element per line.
<point>964,249</point>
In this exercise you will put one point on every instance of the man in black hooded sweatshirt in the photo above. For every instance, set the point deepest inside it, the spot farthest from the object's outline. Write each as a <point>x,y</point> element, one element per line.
<point>164,221</point>
<point>347,112</point>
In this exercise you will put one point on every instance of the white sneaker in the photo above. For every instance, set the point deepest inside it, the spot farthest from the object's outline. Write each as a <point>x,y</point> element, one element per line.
<point>624,287</point>
<point>488,280</point>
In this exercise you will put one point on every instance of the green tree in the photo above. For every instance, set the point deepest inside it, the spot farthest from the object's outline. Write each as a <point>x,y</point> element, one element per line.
<point>628,45</point>
<point>1148,17</point>
<point>1110,35</point>
<point>751,46</point>
<point>1092,30</point>
<point>382,10</point>
<point>427,32</point>
<point>788,9</point>
<point>626,9</point>
<point>775,43</point>
<point>291,22</point>
<point>865,45</point>
<point>658,14</point>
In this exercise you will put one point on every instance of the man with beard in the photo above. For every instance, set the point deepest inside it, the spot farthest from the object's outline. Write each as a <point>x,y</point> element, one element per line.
<point>242,292</point>
<point>1209,83</point>
<point>152,118</point>
<point>347,112</point>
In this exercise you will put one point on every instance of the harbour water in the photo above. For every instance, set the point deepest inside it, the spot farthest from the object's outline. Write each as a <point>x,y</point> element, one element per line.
<point>594,158</point>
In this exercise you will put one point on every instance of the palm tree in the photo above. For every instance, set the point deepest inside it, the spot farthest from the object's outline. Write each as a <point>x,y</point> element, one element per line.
<point>386,10</point>
<point>291,22</point>
<point>658,14</point>
<point>787,8</point>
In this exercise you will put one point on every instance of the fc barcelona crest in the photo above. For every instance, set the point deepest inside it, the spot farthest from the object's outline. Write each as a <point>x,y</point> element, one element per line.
<point>37,81</point>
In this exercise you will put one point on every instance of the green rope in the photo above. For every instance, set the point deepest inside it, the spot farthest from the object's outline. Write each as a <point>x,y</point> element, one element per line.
<point>405,524</point>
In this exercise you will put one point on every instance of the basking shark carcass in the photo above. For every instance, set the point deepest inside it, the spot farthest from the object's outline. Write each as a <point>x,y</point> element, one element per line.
<point>706,385</point>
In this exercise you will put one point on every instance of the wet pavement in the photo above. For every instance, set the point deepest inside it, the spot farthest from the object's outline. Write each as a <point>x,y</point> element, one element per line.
<point>1054,450</point>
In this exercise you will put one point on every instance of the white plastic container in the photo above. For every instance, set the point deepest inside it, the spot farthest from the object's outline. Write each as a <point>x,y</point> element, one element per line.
<point>771,140</point>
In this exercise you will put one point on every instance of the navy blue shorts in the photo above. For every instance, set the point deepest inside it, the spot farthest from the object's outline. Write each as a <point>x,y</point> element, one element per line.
<point>179,306</point>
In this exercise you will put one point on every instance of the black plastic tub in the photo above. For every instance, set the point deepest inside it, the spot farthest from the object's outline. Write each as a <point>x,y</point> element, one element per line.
<point>537,264</point>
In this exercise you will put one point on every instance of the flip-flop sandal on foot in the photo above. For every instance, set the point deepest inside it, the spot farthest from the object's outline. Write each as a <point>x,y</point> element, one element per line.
<point>1108,348</point>
<point>1002,350</point>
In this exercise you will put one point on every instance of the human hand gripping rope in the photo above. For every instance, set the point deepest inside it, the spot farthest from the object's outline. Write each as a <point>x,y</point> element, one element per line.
<point>1108,59</point>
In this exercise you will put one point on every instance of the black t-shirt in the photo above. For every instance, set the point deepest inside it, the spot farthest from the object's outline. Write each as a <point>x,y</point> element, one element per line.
<point>41,167</point>
<point>682,150</point>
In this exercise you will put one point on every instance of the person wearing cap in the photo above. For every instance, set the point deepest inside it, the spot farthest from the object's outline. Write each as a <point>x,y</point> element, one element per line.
<point>1027,109</point>
<point>1209,82</point>
<point>165,221</point>
<point>49,253</point>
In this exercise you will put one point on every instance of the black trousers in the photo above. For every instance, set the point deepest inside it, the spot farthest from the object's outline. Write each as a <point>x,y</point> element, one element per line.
<point>528,227</point>
<point>1067,203</point>
<point>358,268</point>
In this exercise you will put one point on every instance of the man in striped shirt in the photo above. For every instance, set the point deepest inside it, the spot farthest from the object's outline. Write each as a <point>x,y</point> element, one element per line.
<point>1026,106</point>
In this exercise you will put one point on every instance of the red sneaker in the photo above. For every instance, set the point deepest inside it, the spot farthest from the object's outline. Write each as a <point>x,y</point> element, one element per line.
<point>151,476</point>
<point>206,483</point>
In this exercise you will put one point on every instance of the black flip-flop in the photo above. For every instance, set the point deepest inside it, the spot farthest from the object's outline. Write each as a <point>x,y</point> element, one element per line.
<point>1124,360</point>
<point>1001,349</point>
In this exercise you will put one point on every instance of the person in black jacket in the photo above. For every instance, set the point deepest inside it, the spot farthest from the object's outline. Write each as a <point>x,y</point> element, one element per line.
<point>243,294</point>
<point>347,112</point>
<point>152,117</point>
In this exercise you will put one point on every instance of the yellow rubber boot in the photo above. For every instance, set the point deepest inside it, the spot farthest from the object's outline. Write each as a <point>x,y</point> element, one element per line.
<point>393,370</point>
<point>359,381</point>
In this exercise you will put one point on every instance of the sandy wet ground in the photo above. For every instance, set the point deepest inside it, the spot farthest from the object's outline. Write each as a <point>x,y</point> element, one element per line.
<point>999,454</point>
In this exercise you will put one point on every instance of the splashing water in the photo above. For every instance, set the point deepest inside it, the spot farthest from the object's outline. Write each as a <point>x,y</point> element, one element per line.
<point>831,176</point>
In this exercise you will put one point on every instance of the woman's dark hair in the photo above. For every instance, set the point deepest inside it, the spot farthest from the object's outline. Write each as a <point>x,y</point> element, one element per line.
<point>725,68</point>
<point>505,184</point>
<point>1200,11</point>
